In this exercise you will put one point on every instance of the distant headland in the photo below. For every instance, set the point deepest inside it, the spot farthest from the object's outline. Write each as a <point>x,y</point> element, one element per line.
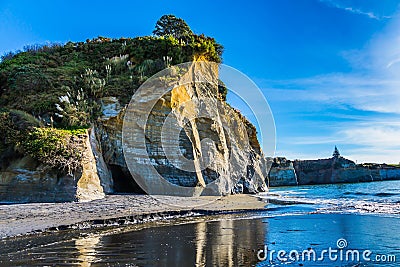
<point>336,169</point>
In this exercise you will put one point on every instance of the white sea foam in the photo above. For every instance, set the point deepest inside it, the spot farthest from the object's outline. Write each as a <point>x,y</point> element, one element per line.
<point>382,198</point>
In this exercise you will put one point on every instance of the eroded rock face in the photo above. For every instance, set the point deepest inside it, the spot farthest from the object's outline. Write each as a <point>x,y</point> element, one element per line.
<point>190,138</point>
<point>26,180</point>
<point>331,170</point>
<point>282,175</point>
<point>89,186</point>
<point>103,171</point>
<point>108,136</point>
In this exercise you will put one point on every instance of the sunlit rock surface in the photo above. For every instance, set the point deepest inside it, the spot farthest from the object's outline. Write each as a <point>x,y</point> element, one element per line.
<point>186,141</point>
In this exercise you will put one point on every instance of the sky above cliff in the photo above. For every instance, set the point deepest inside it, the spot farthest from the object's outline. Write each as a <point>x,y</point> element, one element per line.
<point>328,68</point>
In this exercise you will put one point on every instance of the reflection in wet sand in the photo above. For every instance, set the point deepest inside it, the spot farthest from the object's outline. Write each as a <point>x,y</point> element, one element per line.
<point>213,243</point>
<point>201,238</point>
<point>227,242</point>
<point>87,250</point>
<point>224,242</point>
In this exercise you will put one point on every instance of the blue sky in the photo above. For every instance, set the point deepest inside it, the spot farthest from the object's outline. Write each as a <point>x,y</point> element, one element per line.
<point>328,68</point>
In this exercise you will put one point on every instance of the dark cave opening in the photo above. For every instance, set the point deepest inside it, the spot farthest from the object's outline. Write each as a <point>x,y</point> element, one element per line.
<point>123,181</point>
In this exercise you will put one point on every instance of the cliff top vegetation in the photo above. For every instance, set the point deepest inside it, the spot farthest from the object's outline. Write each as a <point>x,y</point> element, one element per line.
<point>64,81</point>
<point>49,91</point>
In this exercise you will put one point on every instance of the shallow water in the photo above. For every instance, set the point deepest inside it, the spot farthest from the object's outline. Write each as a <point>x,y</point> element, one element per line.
<point>311,218</point>
<point>359,198</point>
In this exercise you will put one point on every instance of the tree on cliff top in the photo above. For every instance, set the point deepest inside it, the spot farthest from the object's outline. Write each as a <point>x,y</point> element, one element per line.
<point>173,26</point>
<point>336,153</point>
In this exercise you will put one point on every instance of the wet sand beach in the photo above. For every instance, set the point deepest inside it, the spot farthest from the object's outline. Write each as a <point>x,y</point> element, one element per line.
<point>138,230</point>
<point>222,240</point>
<point>19,219</point>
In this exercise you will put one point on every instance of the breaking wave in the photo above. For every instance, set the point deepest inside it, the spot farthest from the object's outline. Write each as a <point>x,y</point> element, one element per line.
<point>381,198</point>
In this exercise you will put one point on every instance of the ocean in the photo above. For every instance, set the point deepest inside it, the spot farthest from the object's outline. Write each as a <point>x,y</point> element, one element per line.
<point>318,225</point>
<point>382,197</point>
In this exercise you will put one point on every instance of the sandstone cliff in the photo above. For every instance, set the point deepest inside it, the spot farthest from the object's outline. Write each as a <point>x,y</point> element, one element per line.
<point>211,130</point>
<point>195,142</point>
<point>282,173</point>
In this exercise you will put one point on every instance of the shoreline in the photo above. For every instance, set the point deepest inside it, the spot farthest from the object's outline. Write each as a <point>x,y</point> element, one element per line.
<point>111,230</point>
<point>115,210</point>
<point>180,241</point>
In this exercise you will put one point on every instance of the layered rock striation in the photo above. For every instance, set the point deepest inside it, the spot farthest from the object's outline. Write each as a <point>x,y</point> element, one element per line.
<point>282,173</point>
<point>180,138</point>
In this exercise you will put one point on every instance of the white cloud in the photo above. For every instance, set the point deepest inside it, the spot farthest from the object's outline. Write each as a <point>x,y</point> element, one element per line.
<point>391,63</point>
<point>372,141</point>
<point>373,85</point>
<point>290,154</point>
<point>373,154</point>
<point>354,10</point>
<point>375,136</point>
<point>354,90</point>
<point>312,140</point>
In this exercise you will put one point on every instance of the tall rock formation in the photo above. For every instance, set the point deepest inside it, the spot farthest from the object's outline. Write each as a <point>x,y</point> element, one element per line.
<point>179,138</point>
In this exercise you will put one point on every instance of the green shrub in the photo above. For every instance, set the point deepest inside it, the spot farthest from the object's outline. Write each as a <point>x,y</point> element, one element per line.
<point>75,109</point>
<point>56,148</point>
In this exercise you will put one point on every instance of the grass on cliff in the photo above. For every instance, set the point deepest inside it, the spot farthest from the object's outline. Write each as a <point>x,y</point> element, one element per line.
<point>34,80</point>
